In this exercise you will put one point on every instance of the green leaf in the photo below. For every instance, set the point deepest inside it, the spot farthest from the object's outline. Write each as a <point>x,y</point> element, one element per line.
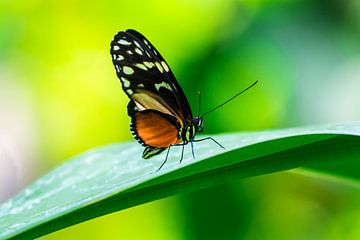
<point>115,177</point>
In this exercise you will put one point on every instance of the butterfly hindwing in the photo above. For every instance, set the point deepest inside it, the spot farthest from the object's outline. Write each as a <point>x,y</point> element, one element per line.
<point>155,129</point>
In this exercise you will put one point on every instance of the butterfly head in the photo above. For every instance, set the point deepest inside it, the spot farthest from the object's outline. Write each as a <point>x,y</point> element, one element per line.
<point>198,123</point>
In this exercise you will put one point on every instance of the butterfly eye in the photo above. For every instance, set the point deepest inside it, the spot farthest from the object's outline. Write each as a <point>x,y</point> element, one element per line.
<point>200,129</point>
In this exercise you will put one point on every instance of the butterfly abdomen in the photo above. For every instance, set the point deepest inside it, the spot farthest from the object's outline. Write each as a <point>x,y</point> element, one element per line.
<point>151,151</point>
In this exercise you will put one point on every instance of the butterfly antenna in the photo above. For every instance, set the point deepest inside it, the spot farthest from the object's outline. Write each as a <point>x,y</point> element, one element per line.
<point>199,95</point>
<point>236,95</point>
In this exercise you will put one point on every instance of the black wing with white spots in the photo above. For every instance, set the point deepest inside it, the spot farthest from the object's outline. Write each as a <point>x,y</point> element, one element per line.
<point>146,77</point>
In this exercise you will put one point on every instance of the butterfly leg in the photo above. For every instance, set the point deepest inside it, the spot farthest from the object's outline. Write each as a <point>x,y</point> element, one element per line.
<point>192,149</point>
<point>167,154</point>
<point>209,138</point>
<point>182,152</point>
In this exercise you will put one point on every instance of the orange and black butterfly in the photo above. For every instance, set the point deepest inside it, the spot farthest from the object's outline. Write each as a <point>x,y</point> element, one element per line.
<point>160,113</point>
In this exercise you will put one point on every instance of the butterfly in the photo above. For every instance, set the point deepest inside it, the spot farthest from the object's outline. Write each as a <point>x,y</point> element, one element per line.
<point>160,113</point>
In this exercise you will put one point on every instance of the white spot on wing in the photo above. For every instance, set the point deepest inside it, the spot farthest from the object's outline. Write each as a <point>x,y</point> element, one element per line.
<point>149,64</point>
<point>125,82</point>
<point>141,66</point>
<point>128,70</point>
<point>140,85</point>
<point>162,84</point>
<point>159,67</point>
<point>129,52</point>
<point>124,42</point>
<point>137,44</point>
<point>116,47</point>
<point>165,66</point>
<point>120,57</point>
<point>138,51</point>
<point>129,91</point>
<point>118,69</point>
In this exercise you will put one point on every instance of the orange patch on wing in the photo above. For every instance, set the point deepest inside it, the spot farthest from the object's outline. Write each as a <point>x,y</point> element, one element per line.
<point>155,130</point>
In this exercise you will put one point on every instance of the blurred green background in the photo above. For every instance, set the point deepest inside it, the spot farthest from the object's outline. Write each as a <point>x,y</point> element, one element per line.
<point>59,96</point>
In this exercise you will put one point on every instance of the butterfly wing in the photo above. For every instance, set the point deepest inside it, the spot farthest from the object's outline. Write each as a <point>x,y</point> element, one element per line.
<point>182,101</point>
<point>158,106</point>
<point>146,77</point>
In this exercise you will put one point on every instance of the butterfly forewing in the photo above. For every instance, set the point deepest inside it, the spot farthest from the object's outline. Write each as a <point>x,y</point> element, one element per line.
<point>168,75</point>
<point>146,77</point>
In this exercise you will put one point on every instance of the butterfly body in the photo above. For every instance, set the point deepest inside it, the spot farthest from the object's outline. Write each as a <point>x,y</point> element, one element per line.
<point>161,116</point>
